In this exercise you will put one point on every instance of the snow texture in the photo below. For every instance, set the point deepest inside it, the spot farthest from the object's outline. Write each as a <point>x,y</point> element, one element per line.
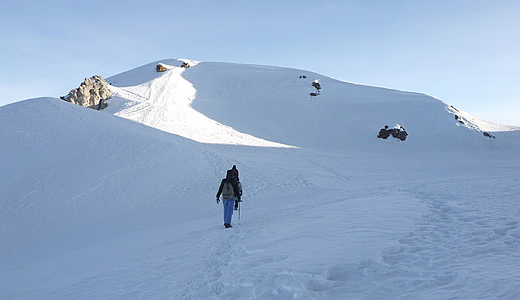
<point>96,206</point>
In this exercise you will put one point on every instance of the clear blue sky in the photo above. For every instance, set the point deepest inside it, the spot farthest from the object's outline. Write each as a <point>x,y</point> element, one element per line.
<point>466,53</point>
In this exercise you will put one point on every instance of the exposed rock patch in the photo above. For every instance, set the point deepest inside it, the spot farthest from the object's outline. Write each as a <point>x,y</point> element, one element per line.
<point>489,135</point>
<point>92,93</point>
<point>160,68</point>
<point>397,132</point>
<point>317,86</point>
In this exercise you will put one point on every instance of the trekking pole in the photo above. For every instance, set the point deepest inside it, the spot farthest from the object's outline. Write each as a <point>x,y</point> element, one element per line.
<point>239,210</point>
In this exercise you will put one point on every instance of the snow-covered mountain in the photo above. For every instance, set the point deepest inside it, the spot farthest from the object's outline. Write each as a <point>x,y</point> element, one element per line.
<point>96,206</point>
<point>241,104</point>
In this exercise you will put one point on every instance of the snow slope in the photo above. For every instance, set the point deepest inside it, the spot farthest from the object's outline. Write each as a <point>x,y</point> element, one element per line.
<point>66,166</point>
<point>218,102</point>
<point>163,101</point>
<point>93,206</point>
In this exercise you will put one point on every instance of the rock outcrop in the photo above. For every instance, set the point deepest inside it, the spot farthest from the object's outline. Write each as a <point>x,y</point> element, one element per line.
<point>488,135</point>
<point>160,68</point>
<point>92,93</point>
<point>317,86</point>
<point>397,132</point>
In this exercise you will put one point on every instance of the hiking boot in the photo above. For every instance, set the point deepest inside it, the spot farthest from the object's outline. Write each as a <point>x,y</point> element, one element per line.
<point>228,225</point>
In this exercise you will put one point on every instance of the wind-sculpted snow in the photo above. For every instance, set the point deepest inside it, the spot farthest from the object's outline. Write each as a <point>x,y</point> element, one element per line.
<point>94,206</point>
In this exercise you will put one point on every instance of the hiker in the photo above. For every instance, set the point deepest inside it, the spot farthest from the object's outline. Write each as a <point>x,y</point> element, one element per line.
<point>235,171</point>
<point>229,191</point>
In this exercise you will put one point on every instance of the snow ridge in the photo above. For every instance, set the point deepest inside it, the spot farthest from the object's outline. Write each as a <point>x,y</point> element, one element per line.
<point>223,103</point>
<point>165,103</point>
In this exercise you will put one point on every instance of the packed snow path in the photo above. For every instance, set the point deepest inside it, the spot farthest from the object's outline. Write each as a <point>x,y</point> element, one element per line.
<point>381,233</point>
<point>164,103</point>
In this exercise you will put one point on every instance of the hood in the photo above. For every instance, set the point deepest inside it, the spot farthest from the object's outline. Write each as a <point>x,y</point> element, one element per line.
<point>230,175</point>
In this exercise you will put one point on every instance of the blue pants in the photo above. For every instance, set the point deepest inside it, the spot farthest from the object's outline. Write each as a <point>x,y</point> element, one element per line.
<point>228,209</point>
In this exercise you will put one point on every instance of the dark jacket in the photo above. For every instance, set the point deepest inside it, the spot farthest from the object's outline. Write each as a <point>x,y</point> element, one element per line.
<point>235,171</point>
<point>230,177</point>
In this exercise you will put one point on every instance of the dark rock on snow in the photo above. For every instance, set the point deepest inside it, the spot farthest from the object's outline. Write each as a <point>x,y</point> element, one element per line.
<point>160,68</point>
<point>397,132</point>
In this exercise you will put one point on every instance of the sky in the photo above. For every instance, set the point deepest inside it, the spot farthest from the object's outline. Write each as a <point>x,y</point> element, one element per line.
<point>465,53</point>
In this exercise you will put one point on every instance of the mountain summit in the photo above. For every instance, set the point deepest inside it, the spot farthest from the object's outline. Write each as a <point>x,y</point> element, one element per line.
<point>225,103</point>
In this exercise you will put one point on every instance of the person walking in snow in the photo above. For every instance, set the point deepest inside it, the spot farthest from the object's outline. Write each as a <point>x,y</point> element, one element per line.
<point>229,191</point>
<point>235,171</point>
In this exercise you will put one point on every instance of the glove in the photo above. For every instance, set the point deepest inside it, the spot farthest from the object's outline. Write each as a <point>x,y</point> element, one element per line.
<point>218,200</point>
